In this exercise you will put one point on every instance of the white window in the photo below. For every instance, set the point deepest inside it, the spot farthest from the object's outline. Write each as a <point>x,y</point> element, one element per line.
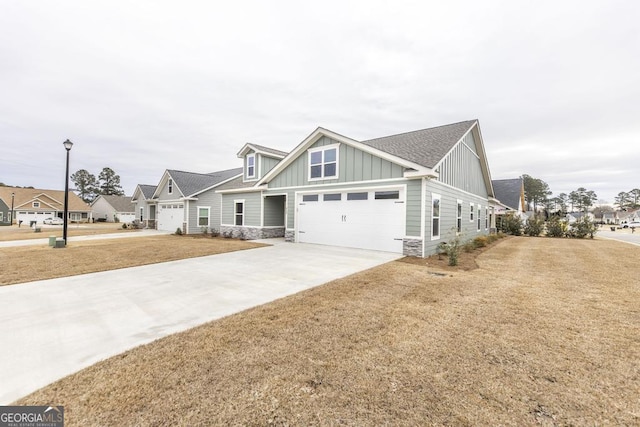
<point>479,218</point>
<point>239,212</point>
<point>170,186</point>
<point>486,218</point>
<point>470,211</point>
<point>35,204</point>
<point>459,217</point>
<point>323,162</point>
<point>203,216</point>
<point>251,166</point>
<point>435,216</point>
<point>141,214</point>
<point>2,216</point>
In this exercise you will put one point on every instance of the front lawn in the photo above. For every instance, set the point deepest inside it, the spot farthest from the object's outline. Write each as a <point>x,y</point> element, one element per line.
<point>544,332</point>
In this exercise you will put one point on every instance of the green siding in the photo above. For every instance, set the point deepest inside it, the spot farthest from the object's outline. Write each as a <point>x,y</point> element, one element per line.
<point>462,169</point>
<point>354,165</point>
<point>414,207</point>
<point>266,164</point>
<point>274,211</point>
<point>448,215</point>
<point>252,208</point>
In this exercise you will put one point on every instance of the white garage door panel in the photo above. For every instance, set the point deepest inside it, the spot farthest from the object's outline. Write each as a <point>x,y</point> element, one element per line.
<point>170,217</point>
<point>367,224</point>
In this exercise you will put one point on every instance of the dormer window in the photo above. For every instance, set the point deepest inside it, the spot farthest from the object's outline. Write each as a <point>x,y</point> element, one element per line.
<point>170,186</point>
<point>323,162</point>
<point>251,166</point>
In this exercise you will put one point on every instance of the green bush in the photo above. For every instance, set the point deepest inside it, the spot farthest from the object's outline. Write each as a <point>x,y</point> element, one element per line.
<point>178,231</point>
<point>511,224</point>
<point>534,226</point>
<point>556,227</point>
<point>451,248</point>
<point>582,228</point>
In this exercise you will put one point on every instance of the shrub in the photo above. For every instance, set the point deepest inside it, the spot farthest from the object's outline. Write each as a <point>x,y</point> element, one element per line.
<point>178,231</point>
<point>215,232</point>
<point>205,231</point>
<point>124,226</point>
<point>480,242</point>
<point>534,226</point>
<point>227,234</point>
<point>582,228</point>
<point>511,224</point>
<point>452,249</point>
<point>556,227</point>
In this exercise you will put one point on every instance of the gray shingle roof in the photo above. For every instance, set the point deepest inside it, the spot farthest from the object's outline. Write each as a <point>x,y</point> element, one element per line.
<point>147,190</point>
<point>425,147</point>
<point>270,150</point>
<point>236,183</point>
<point>120,203</point>
<point>191,183</point>
<point>508,191</point>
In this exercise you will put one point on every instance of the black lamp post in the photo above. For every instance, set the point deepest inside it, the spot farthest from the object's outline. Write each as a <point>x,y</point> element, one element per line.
<point>13,195</point>
<point>67,145</point>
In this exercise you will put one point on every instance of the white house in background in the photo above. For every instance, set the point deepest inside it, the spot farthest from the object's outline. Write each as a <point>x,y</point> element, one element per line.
<point>572,217</point>
<point>113,209</point>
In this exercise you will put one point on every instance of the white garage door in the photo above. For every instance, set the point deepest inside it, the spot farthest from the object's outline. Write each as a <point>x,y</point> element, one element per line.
<point>170,216</point>
<point>366,219</point>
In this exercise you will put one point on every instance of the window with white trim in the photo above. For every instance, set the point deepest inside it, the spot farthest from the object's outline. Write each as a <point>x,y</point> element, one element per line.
<point>435,216</point>
<point>470,211</point>
<point>238,210</point>
<point>323,162</point>
<point>459,217</point>
<point>486,218</point>
<point>203,216</point>
<point>479,218</point>
<point>141,213</point>
<point>170,186</point>
<point>35,204</point>
<point>251,166</point>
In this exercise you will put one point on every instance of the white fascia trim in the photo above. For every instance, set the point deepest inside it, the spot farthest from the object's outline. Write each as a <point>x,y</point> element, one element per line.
<point>422,173</point>
<point>49,197</point>
<point>214,186</point>
<point>336,184</point>
<point>248,146</point>
<point>423,209</point>
<point>462,191</point>
<point>320,132</point>
<point>475,123</point>
<point>372,188</point>
<point>243,190</point>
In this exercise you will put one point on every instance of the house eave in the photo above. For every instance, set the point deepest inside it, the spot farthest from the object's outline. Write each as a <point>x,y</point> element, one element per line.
<point>243,190</point>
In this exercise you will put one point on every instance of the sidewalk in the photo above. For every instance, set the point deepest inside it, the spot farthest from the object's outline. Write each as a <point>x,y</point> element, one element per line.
<point>45,240</point>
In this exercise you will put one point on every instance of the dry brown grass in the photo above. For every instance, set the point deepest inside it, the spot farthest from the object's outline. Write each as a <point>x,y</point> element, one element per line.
<point>26,263</point>
<point>544,332</point>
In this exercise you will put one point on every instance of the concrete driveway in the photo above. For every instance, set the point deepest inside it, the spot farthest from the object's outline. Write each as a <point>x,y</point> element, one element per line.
<point>52,328</point>
<point>622,235</point>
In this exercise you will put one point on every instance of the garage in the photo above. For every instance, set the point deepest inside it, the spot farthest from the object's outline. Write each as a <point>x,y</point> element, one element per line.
<point>366,219</point>
<point>170,216</point>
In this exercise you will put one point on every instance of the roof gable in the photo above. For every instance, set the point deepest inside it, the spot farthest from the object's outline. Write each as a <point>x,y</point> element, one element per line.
<point>189,184</point>
<point>426,147</point>
<point>118,203</point>
<point>52,198</point>
<point>261,149</point>
<point>509,192</point>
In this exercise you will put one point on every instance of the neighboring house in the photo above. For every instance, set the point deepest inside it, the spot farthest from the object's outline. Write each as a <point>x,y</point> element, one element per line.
<point>188,201</point>
<point>610,217</point>
<point>404,193</point>
<point>628,216</point>
<point>5,212</point>
<point>113,209</point>
<point>144,206</point>
<point>32,204</point>
<point>572,217</point>
<point>510,193</point>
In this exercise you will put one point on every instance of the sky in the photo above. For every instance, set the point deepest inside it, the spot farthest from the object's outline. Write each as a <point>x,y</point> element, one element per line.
<point>146,86</point>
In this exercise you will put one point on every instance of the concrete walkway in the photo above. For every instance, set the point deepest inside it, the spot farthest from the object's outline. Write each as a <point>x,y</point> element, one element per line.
<point>45,240</point>
<point>52,328</point>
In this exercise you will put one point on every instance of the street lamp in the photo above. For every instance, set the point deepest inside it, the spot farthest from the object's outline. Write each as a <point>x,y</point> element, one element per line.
<point>13,195</point>
<point>67,146</point>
